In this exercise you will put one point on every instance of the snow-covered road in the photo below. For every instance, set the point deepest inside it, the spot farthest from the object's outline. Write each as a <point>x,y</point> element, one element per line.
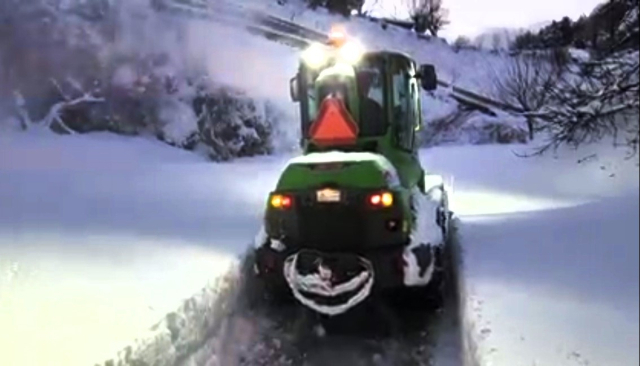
<point>101,236</point>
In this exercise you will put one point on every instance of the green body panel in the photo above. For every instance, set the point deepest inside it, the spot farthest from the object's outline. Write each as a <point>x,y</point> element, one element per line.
<point>358,175</point>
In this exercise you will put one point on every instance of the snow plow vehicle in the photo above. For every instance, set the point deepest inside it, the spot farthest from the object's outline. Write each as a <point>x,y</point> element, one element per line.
<point>356,213</point>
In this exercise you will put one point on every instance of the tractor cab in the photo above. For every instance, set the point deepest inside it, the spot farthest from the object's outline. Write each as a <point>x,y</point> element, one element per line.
<point>356,101</point>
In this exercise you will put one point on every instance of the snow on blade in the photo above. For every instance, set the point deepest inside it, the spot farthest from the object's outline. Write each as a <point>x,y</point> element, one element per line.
<point>319,284</point>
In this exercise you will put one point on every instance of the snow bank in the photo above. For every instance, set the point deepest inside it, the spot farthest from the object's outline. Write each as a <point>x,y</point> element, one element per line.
<point>102,236</point>
<point>550,252</point>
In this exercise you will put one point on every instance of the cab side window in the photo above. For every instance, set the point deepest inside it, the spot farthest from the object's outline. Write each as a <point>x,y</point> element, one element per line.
<point>371,92</point>
<point>415,109</point>
<point>402,107</point>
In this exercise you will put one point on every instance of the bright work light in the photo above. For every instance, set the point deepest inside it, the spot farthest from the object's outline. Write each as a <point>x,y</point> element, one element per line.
<point>315,56</point>
<point>351,52</point>
<point>340,49</point>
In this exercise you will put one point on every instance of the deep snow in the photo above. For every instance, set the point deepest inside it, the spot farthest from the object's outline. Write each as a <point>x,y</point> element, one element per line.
<point>550,254</point>
<point>103,235</point>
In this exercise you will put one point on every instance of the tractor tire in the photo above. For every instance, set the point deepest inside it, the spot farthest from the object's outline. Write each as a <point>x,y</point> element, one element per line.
<point>258,293</point>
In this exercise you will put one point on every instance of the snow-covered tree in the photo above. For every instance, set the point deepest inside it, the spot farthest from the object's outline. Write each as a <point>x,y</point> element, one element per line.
<point>47,53</point>
<point>611,26</point>
<point>526,82</point>
<point>344,7</point>
<point>594,100</point>
<point>428,15</point>
<point>462,42</point>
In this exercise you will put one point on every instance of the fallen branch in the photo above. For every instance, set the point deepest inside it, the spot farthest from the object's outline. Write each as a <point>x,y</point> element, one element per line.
<point>56,109</point>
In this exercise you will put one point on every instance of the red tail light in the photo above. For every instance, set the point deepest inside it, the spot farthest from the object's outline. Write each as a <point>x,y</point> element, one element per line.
<point>382,199</point>
<point>281,201</point>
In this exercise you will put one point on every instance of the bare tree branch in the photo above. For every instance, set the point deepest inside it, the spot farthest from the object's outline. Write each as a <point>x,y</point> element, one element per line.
<point>527,82</point>
<point>592,101</point>
<point>59,88</point>
<point>54,114</point>
<point>25,119</point>
<point>64,126</point>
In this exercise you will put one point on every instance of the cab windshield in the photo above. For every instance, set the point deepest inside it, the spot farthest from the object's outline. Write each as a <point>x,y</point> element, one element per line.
<point>370,86</point>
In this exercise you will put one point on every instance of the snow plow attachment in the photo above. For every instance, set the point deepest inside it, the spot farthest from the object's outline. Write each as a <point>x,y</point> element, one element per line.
<point>327,283</point>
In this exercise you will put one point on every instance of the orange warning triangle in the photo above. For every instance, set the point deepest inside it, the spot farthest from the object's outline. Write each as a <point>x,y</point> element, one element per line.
<point>334,125</point>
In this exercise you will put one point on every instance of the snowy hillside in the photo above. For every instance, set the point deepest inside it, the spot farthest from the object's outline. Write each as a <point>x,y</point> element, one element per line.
<point>472,70</point>
<point>171,88</point>
<point>497,38</point>
<point>126,68</point>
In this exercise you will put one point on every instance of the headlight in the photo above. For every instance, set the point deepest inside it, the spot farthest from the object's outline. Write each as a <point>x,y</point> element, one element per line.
<point>315,56</point>
<point>352,52</point>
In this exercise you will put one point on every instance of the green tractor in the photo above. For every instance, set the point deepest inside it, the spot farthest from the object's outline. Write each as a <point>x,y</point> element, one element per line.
<point>355,214</point>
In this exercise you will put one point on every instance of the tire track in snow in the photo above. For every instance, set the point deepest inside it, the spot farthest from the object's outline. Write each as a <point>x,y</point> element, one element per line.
<point>290,335</point>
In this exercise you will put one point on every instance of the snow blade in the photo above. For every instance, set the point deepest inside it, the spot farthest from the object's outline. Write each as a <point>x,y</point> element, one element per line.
<point>334,125</point>
<point>328,284</point>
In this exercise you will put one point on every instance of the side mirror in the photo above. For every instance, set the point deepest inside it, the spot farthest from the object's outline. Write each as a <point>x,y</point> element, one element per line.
<point>294,89</point>
<point>428,77</point>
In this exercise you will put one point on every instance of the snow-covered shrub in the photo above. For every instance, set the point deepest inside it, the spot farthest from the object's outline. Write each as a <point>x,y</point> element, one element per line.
<point>503,129</point>
<point>232,124</point>
<point>178,124</point>
<point>446,123</point>
<point>438,105</point>
<point>462,42</point>
<point>474,128</point>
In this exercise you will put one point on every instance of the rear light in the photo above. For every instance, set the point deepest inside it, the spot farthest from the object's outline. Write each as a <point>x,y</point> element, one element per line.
<point>382,199</point>
<point>281,201</point>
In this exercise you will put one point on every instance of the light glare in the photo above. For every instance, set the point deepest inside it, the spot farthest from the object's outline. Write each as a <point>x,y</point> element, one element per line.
<point>387,199</point>
<point>352,52</point>
<point>315,56</point>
